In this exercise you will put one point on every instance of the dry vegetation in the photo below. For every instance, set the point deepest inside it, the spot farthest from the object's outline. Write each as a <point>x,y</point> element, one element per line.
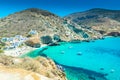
<point>39,65</point>
<point>44,22</point>
<point>22,22</point>
<point>98,19</point>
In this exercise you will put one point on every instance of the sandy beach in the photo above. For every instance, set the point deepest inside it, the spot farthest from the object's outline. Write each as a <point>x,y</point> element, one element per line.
<point>20,50</point>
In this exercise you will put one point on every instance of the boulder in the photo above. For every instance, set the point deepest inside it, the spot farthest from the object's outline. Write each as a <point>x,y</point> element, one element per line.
<point>33,42</point>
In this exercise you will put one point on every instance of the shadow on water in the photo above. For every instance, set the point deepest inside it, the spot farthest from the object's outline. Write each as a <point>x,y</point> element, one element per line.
<point>35,53</point>
<point>77,73</point>
<point>43,49</point>
<point>40,52</point>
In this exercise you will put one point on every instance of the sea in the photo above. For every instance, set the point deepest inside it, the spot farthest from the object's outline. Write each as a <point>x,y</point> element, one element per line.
<point>94,60</point>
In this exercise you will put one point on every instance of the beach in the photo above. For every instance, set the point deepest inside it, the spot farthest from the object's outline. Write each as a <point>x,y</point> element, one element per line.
<point>18,51</point>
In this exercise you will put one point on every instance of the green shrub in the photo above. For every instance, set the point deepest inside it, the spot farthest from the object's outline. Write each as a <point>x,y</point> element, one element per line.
<point>1,51</point>
<point>56,37</point>
<point>2,44</point>
<point>29,35</point>
<point>46,39</point>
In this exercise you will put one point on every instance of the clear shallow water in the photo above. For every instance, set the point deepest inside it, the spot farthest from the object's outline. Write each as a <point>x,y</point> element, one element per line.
<point>102,56</point>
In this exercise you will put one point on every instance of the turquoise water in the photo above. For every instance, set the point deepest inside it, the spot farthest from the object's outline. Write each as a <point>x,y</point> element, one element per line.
<point>101,56</point>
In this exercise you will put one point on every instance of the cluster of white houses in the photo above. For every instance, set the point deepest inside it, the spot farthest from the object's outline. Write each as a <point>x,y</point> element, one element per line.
<point>13,42</point>
<point>16,41</point>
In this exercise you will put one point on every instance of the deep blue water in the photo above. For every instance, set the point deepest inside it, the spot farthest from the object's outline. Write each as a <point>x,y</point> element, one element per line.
<point>100,56</point>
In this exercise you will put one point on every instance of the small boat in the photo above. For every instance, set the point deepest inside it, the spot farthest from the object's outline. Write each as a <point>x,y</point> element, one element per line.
<point>79,53</point>
<point>112,70</point>
<point>70,47</point>
<point>62,52</point>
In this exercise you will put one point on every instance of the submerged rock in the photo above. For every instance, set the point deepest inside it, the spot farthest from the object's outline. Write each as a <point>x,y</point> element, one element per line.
<point>91,77</point>
<point>101,68</point>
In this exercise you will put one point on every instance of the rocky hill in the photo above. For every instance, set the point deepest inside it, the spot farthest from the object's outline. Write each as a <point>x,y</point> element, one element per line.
<point>45,23</point>
<point>40,68</point>
<point>102,20</point>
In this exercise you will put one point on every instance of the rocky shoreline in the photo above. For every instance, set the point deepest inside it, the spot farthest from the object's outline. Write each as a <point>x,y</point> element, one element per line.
<point>38,66</point>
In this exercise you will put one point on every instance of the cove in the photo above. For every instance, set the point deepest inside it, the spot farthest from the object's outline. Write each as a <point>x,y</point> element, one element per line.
<point>100,56</point>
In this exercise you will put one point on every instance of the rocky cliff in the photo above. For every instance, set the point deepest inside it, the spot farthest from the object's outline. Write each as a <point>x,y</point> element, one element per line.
<point>29,69</point>
<point>102,20</point>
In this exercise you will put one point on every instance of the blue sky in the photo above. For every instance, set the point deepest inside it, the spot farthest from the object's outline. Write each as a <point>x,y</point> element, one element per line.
<point>59,7</point>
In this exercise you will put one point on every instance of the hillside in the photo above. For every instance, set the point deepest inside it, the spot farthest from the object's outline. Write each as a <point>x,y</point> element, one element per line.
<point>102,20</point>
<point>45,23</point>
<point>40,68</point>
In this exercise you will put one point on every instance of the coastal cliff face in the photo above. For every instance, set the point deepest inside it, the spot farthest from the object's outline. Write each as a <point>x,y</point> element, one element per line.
<point>19,74</point>
<point>29,69</point>
<point>45,23</point>
<point>101,20</point>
